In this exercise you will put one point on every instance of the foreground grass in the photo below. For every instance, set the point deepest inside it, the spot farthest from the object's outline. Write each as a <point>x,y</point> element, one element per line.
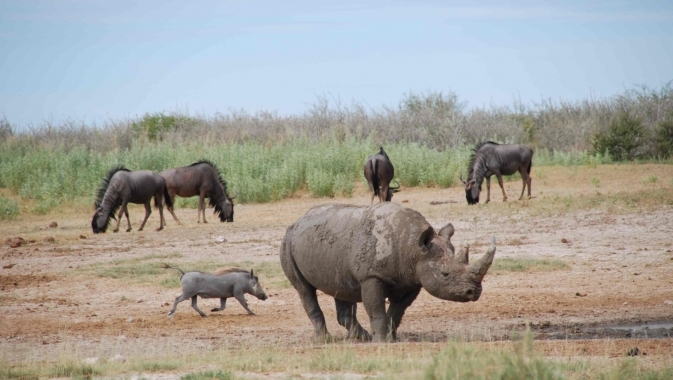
<point>149,270</point>
<point>455,360</point>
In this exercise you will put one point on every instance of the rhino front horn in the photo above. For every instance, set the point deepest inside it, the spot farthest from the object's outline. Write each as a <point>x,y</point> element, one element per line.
<point>481,267</point>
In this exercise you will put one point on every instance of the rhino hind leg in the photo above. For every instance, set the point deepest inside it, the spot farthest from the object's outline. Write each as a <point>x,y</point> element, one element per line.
<point>397,308</point>
<point>196,307</point>
<point>347,317</point>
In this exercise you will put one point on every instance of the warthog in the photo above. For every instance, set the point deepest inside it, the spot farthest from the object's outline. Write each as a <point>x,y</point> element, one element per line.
<point>231,282</point>
<point>367,254</point>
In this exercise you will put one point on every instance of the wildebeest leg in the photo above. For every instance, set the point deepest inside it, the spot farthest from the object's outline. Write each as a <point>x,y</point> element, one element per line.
<point>196,307</point>
<point>148,211</point>
<point>202,206</point>
<point>373,195</point>
<point>398,307</point>
<point>488,189</point>
<point>525,178</point>
<point>502,187</point>
<point>171,211</point>
<point>373,297</point>
<point>347,317</point>
<point>179,299</point>
<point>122,209</point>
<point>241,299</point>
<point>162,221</point>
<point>223,304</point>
<point>383,195</point>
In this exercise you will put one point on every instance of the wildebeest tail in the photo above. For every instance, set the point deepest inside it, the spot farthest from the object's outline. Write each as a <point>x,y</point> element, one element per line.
<point>375,177</point>
<point>530,165</point>
<point>166,266</point>
<point>167,199</point>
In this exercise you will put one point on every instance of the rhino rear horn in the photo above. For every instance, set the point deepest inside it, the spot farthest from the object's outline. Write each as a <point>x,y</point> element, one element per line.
<point>463,256</point>
<point>481,267</point>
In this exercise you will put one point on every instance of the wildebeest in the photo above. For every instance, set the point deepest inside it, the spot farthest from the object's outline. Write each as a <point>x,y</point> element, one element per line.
<point>201,178</point>
<point>367,254</point>
<point>491,158</point>
<point>121,187</point>
<point>231,282</point>
<point>379,171</point>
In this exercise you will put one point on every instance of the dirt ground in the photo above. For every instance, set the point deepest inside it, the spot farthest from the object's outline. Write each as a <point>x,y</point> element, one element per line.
<point>620,260</point>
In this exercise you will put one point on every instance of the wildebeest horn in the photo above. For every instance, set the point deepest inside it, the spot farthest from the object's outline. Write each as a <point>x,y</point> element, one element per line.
<point>481,267</point>
<point>463,256</point>
<point>234,195</point>
<point>462,180</point>
<point>394,188</point>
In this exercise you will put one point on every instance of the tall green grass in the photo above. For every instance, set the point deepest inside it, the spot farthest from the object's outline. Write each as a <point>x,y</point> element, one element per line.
<point>260,173</point>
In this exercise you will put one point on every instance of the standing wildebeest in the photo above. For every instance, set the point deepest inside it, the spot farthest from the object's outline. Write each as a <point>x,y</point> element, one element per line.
<point>367,254</point>
<point>379,171</point>
<point>492,158</point>
<point>203,179</point>
<point>232,282</point>
<point>122,186</point>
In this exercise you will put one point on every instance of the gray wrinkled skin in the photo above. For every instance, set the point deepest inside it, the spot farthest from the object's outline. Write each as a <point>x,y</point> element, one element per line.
<point>367,254</point>
<point>233,283</point>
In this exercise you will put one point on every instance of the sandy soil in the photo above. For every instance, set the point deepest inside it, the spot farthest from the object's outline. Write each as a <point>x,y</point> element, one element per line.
<point>620,272</point>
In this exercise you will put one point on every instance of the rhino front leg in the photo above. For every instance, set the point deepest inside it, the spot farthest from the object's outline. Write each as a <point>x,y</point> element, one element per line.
<point>196,307</point>
<point>373,297</point>
<point>347,317</point>
<point>398,307</point>
<point>223,304</point>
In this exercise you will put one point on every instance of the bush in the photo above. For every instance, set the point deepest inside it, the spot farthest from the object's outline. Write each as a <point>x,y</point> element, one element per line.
<point>664,138</point>
<point>9,208</point>
<point>622,139</point>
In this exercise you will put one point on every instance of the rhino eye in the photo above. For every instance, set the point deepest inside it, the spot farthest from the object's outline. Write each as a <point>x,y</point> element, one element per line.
<point>469,292</point>
<point>445,274</point>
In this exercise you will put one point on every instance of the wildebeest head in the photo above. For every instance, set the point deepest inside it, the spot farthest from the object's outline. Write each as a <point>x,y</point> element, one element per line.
<point>392,190</point>
<point>257,290</point>
<point>447,275</point>
<point>99,222</point>
<point>472,190</point>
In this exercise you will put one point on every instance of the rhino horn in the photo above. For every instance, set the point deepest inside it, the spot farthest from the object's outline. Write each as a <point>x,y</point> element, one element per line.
<point>463,256</point>
<point>481,267</point>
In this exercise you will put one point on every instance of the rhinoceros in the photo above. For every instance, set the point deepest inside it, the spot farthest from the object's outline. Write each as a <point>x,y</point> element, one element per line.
<point>367,254</point>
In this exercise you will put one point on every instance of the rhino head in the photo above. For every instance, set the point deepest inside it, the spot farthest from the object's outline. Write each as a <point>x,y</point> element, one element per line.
<point>447,275</point>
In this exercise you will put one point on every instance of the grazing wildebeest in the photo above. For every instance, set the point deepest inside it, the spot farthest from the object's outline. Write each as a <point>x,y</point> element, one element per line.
<point>201,178</point>
<point>367,254</point>
<point>225,283</point>
<point>500,159</point>
<point>379,171</point>
<point>122,186</point>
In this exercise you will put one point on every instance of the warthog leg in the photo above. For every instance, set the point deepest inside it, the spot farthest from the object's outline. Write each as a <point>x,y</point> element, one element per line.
<point>241,299</point>
<point>398,307</point>
<point>148,211</point>
<point>347,317</point>
<point>223,304</point>
<point>373,297</point>
<point>178,299</point>
<point>196,307</point>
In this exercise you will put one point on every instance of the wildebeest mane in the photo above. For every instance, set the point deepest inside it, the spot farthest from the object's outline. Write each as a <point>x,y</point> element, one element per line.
<point>222,271</point>
<point>100,194</point>
<point>213,197</point>
<point>473,157</point>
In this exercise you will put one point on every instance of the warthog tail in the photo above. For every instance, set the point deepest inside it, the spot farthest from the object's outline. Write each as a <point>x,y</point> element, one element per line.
<point>166,266</point>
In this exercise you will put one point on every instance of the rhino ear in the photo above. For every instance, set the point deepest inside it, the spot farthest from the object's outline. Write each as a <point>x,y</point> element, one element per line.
<point>426,237</point>
<point>447,231</point>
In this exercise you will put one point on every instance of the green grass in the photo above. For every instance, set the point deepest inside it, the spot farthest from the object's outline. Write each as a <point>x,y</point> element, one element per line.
<point>260,173</point>
<point>9,208</point>
<point>526,264</point>
<point>208,375</point>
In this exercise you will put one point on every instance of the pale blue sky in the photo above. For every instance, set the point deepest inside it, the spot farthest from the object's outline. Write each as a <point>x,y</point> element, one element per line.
<point>100,60</point>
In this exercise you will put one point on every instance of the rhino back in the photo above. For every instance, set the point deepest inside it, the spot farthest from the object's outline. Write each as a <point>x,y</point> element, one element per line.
<point>336,247</point>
